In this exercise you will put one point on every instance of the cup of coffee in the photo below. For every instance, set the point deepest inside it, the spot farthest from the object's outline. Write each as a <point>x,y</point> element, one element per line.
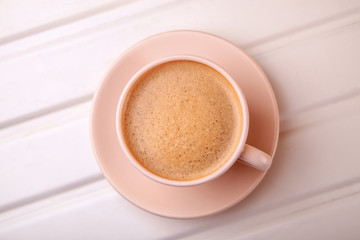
<point>182,120</point>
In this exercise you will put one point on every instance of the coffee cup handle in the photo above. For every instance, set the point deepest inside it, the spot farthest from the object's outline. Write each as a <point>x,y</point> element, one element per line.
<point>255,158</point>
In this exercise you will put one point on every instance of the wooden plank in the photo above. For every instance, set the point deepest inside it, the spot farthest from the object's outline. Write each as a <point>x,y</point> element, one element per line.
<point>318,71</point>
<point>101,214</point>
<point>19,19</point>
<point>54,59</point>
<point>335,220</point>
<point>46,156</point>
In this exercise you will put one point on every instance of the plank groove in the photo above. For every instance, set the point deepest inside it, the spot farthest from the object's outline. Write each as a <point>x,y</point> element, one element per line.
<point>46,156</point>
<point>314,221</point>
<point>38,16</point>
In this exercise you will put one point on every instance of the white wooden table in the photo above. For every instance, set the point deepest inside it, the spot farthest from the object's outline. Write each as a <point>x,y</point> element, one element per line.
<point>53,55</point>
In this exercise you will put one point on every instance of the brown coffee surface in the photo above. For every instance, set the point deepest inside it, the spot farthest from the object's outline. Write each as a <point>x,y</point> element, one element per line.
<point>182,120</point>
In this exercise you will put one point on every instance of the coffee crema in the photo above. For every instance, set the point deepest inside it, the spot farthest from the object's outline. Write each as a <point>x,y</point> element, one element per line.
<point>182,120</point>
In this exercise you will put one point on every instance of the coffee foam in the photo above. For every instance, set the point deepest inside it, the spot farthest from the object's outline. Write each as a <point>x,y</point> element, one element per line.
<point>182,120</point>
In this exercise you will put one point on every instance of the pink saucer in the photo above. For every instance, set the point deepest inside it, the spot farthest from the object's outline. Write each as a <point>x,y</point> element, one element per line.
<point>184,202</point>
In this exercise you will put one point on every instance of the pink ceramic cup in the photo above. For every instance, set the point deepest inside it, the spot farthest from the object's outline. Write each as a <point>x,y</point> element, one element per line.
<point>244,153</point>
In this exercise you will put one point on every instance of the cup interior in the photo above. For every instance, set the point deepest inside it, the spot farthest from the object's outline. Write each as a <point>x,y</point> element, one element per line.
<point>183,183</point>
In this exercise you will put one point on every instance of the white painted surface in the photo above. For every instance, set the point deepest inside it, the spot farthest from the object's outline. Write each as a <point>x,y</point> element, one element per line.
<point>53,56</point>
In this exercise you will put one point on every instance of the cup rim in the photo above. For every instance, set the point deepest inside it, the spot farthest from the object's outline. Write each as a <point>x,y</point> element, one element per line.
<point>182,183</point>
